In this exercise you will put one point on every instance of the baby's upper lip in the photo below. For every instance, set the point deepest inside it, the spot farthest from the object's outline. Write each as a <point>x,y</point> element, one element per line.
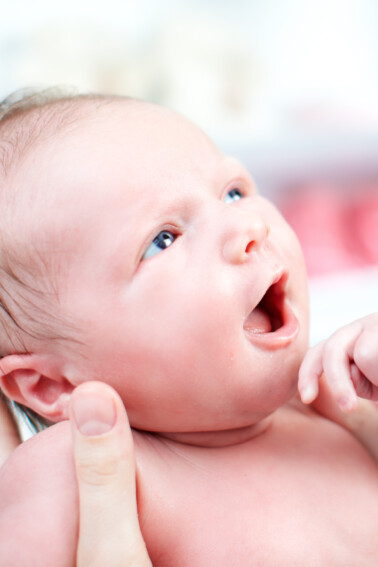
<point>280,323</point>
<point>278,280</point>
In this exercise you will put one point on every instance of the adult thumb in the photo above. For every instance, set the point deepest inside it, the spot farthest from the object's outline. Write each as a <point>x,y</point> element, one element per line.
<point>109,532</point>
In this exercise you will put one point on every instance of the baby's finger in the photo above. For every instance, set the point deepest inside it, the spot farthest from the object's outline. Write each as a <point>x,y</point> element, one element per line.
<point>363,386</point>
<point>336,365</point>
<point>309,373</point>
<point>104,456</point>
<point>365,354</point>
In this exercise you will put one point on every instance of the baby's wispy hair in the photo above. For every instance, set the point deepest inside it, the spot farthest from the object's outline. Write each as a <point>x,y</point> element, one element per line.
<point>29,294</point>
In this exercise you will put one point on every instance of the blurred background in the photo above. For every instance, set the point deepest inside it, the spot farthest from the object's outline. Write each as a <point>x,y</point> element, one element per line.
<point>290,87</point>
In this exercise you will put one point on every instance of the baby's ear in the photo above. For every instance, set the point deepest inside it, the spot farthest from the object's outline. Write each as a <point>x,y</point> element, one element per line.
<point>36,381</point>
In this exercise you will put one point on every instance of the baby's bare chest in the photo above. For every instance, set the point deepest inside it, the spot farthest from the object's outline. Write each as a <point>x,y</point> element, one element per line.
<point>295,498</point>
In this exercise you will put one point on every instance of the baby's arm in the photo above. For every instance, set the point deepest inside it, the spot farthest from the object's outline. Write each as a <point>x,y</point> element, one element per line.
<point>346,366</point>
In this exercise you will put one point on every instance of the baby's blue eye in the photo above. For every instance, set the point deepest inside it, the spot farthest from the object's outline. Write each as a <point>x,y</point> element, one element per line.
<point>162,241</point>
<point>233,195</point>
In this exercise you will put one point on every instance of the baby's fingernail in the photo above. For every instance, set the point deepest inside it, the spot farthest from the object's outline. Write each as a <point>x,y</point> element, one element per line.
<point>94,413</point>
<point>347,403</point>
<point>308,394</point>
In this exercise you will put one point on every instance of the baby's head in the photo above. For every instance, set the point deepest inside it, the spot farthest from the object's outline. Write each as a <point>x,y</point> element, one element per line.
<point>133,251</point>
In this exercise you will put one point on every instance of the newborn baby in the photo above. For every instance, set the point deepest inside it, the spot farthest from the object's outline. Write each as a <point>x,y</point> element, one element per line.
<point>134,252</point>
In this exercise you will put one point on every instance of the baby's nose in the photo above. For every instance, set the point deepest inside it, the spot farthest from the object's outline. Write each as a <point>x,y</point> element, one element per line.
<point>245,234</point>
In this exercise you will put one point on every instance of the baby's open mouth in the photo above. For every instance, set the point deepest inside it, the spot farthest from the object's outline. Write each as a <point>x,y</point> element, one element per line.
<point>267,316</point>
<point>272,323</point>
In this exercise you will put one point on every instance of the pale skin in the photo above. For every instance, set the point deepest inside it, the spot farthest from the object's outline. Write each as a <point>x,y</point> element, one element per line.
<point>107,502</point>
<point>190,293</point>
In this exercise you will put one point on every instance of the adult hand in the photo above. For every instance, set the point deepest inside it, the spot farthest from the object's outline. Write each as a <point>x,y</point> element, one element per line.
<point>109,532</point>
<point>9,436</point>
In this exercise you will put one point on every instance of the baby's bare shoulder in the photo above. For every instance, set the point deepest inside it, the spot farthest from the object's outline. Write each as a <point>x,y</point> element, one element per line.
<point>303,468</point>
<point>38,502</point>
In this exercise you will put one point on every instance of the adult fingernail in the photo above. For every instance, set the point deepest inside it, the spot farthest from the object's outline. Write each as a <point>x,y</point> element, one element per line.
<point>94,412</point>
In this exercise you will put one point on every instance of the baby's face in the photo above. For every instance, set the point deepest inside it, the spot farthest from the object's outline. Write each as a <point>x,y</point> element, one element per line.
<point>189,288</point>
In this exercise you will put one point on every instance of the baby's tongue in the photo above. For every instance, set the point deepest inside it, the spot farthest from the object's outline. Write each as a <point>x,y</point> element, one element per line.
<point>258,321</point>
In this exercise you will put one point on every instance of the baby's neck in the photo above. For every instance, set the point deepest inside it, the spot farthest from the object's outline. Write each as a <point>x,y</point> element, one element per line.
<point>222,438</point>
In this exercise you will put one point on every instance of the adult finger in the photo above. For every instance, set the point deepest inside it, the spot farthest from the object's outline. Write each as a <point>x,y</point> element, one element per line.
<point>109,532</point>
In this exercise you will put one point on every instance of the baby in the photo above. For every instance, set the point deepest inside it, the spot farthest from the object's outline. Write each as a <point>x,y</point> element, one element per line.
<point>133,251</point>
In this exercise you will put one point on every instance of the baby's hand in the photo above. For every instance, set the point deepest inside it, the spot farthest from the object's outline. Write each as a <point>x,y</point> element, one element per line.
<point>349,361</point>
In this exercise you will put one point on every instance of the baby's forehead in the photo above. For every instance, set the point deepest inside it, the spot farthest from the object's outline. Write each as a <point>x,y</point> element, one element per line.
<point>139,142</point>
<point>127,155</point>
<point>141,129</point>
<point>149,128</point>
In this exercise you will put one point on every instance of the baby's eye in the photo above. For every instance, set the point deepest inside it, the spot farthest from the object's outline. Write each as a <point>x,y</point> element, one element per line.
<point>162,241</point>
<point>233,195</point>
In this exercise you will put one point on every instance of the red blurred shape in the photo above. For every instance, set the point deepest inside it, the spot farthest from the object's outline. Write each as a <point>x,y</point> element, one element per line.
<point>325,221</point>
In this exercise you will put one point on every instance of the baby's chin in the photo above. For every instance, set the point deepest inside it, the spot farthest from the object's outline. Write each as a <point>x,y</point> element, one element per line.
<point>209,431</point>
<point>238,421</point>
<point>221,438</point>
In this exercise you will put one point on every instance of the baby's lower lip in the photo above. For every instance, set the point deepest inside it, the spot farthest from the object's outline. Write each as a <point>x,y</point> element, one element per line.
<point>281,337</point>
<point>272,324</point>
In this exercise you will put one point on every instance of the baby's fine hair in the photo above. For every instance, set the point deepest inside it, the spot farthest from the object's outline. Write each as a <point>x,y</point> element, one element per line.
<point>29,294</point>
<point>27,289</point>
